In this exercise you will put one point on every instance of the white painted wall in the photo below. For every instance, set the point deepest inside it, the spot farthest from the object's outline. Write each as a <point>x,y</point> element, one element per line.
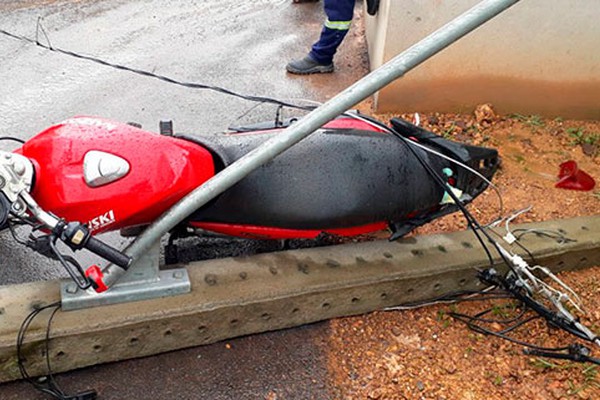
<point>539,56</point>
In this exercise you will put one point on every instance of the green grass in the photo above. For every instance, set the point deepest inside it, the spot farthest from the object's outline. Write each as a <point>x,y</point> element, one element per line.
<point>447,133</point>
<point>590,380</point>
<point>533,121</point>
<point>542,363</point>
<point>498,380</point>
<point>579,136</point>
<point>588,372</point>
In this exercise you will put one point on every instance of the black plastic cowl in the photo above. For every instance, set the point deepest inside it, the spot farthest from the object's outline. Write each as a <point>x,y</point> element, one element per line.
<point>4,210</point>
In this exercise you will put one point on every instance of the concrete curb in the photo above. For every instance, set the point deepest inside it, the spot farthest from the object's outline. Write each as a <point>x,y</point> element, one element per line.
<point>239,296</point>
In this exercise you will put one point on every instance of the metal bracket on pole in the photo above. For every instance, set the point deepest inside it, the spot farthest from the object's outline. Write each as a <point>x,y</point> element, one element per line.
<point>142,281</point>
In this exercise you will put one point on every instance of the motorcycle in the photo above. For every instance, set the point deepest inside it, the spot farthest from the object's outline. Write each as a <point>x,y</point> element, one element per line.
<point>355,175</point>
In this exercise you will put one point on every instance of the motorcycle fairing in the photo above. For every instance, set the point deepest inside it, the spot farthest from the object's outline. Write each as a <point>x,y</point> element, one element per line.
<point>481,159</point>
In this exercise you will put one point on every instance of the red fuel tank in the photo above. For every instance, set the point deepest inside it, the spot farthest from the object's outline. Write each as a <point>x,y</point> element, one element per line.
<point>112,175</point>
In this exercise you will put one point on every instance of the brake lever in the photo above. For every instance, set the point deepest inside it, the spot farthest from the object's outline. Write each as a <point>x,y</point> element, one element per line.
<point>78,275</point>
<point>46,246</point>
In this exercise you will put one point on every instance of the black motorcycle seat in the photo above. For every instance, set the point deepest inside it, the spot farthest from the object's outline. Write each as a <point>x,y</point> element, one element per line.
<point>334,178</point>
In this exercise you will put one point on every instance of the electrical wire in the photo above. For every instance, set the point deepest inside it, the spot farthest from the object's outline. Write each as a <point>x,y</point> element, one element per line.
<point>47,384</point>
<point>453,298</point>
<point>14,139</point>
<point>558,236</point>
<point>468,320</point>
<point>164,78</point>
<point>479,316</point>
<point>520,245</point>
<point>49,387</point>
<point>13,222</point>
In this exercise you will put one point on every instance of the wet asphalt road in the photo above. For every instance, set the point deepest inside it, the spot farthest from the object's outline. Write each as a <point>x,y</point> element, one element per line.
<point>240,45</point>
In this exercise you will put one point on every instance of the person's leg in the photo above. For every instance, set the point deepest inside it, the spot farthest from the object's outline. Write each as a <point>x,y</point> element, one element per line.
<point>339,16</point>
<point>320,59</point>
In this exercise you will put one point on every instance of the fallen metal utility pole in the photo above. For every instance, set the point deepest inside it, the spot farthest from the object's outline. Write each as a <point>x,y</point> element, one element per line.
<point>359,91</point>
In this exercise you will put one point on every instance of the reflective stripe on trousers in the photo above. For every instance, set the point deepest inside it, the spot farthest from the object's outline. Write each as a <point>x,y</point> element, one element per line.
<point>339,16</point>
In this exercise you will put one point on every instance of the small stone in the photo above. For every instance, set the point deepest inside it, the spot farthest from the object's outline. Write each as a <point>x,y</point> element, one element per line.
<point>433,120</point>
<point>271,396</point>
<point>485,114</point>
<point>450,368</point>
<point>556,390</point>
<point>496,326</point>
<point>589,150</point>
<point>375,394</point>
<point>461,124</point>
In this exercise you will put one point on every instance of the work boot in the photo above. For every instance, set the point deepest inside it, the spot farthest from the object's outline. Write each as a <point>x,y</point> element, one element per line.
<point>307,66</point>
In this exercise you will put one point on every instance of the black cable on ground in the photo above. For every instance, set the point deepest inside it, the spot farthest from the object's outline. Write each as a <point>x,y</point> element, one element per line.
<point>468,320</point>
<point>46,384</point>
<point>14,139</point>
<point>575,352</point>
<point>191,85</point>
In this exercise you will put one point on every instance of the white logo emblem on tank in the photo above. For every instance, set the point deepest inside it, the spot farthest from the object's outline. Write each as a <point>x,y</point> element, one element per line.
<point>100,168</point>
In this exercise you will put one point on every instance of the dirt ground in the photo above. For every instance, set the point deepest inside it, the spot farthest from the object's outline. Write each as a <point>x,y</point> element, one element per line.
<point>425,353</point>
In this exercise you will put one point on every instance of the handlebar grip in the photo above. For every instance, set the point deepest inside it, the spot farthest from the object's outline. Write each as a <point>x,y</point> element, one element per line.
<point>107,252</point>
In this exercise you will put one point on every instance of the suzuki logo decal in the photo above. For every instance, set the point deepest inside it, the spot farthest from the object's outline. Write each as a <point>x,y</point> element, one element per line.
<point>102,220</point>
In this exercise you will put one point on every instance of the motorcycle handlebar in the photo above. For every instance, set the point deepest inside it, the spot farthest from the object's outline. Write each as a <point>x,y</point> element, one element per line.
<point>77,236</point>
<point>107,252</point>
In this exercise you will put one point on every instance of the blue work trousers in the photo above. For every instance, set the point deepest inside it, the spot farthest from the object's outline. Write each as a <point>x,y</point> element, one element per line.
<point>339,15</point>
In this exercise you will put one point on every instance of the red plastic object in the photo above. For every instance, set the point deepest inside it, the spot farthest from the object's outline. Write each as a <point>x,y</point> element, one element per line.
<point>571,177</point>
<point>94,274</point>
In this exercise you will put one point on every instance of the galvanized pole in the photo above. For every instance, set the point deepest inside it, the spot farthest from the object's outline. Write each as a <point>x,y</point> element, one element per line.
<point>393,69</point>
